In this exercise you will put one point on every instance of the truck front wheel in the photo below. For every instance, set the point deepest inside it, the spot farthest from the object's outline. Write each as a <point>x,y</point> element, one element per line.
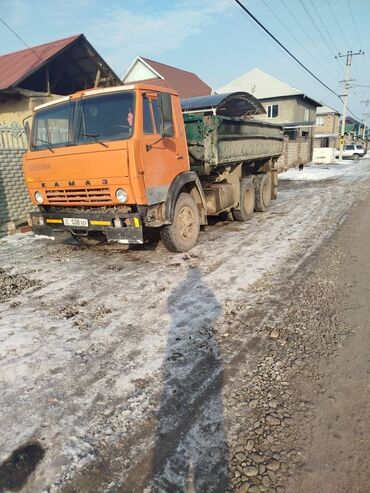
<point>247,201</point>
<point>263,192</point>
<point>183,233</point>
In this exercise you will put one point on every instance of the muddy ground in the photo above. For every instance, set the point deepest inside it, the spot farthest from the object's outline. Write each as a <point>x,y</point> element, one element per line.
<point>240,366</point>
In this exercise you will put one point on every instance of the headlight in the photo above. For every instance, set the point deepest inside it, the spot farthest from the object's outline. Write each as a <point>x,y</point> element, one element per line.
<point>39,198</point>
<point>121,195</point>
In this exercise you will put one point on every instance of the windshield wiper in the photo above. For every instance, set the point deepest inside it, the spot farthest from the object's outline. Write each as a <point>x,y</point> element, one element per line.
<point>95,136</point>
<point>45,142</point>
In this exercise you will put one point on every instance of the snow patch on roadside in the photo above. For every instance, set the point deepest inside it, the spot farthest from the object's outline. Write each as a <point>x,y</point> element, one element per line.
<point>95,352</point>
<point>316,173</point>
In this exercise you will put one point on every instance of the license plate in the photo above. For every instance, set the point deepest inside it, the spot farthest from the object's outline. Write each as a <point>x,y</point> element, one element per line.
<point>74,221</point>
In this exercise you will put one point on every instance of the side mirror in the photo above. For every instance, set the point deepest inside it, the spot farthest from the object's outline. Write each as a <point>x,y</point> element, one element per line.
<point>165,114</point>
<point>27,128</point>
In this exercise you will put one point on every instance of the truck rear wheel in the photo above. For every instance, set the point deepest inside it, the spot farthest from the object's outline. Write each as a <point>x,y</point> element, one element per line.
<point>247,201</point>
<point>274,184</point>
<point>183,233</point>
<point>262,185</point>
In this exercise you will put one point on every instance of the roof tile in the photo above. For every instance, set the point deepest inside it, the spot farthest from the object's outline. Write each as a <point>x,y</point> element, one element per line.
<point>187,84</point>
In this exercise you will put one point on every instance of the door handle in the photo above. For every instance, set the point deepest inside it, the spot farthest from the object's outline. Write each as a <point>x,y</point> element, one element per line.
<point>179,156</point>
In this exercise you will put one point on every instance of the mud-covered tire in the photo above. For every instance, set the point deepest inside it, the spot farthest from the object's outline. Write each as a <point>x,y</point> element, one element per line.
<point>92,239</point>
<point>183,233</point>
<point>262,185</point>
<point>274,184</point>
<point>356,157</point>
<point>247,201</point>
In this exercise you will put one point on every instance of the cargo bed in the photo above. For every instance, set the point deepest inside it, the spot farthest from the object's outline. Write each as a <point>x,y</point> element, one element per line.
<point>215,140</point>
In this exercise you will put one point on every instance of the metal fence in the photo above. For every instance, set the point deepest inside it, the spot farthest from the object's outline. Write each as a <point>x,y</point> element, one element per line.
<point>12,136</point>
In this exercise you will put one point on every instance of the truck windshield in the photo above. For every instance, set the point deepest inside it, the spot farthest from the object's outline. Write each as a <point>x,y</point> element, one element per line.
<point>53,126</point>
<point>108,117</point>
<point>83,121</point>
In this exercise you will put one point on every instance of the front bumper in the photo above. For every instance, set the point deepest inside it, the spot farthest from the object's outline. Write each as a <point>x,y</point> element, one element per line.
<point>120,228</point>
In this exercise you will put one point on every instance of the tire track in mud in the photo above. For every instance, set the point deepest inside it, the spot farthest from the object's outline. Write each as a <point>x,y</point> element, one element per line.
<point>138,475</point>
<point>244,352</point>
<point>126,443</point>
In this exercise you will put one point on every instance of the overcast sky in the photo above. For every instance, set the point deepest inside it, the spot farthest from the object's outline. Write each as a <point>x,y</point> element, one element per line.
<point>210,37</point>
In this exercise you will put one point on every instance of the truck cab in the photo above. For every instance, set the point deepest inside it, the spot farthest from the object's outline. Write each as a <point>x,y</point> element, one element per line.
<point>104,164</point>
<point>111,164</point>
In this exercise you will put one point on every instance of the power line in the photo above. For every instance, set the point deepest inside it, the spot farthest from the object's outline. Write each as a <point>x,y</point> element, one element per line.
<point>248,19</point>
<point>325,28</point>
<point>295,38</point>
<point>270,35</point>
<point>314,23</point>
<point>341,32</point>
<point>284,48</point>
<point>20,39</point>
<point>312,19</point>
<point>358,38</point>
<point>354,23</point>
<point>343,36</point>
<point>297,21</point>
<point>329,94</point>
<point>337,23</point>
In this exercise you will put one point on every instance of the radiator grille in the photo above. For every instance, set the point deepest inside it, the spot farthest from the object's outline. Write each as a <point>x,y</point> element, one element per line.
<point>79,195</point>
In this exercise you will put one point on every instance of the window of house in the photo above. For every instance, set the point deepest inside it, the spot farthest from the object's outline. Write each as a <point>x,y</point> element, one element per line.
<point>272,110</point>
<point>306,114</point>
<point>319,120</point>
<point>291,133</point>
<point>324,142</point>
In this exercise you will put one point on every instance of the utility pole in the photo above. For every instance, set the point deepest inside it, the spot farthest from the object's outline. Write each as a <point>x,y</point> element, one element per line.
<point>346,82</point>
<point>365,115</point>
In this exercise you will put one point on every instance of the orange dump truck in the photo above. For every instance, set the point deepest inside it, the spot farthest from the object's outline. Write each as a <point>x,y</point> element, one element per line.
<point>111,164</point>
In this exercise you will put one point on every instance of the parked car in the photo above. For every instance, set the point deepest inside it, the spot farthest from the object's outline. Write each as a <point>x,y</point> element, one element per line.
<point>352,151</point>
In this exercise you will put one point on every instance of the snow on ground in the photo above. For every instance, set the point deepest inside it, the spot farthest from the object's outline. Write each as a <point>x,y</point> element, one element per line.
<point>86,356</point>
<point>312,172</point>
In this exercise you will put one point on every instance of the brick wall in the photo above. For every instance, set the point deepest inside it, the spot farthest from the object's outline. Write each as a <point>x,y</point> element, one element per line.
<point>295,152</point>
<point>329,125</point>
<point>14,201</point>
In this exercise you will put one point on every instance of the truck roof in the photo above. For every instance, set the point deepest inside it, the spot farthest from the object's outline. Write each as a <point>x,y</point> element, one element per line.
<point>103,90</point>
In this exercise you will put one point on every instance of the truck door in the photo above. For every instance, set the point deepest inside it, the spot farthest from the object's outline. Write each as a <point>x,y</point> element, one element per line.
<point>163,158</point>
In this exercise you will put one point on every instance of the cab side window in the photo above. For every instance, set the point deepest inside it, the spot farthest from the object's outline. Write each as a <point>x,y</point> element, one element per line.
<point>147,117</point>
<point>156,114</point>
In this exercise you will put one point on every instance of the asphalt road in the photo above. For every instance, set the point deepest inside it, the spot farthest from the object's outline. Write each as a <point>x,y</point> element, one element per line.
<point>143,370</point>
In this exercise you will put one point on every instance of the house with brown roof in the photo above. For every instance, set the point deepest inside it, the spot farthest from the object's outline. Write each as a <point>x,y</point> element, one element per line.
<point>28,78</point>
<point>32,76</point>
<point>187,84</point>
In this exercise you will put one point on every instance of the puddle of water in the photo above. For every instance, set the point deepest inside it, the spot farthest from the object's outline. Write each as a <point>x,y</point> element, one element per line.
<point>15,471</point>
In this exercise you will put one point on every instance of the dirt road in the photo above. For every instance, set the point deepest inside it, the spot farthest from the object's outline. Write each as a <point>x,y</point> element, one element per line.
<point>210,371</point>
<point>337,448</point>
